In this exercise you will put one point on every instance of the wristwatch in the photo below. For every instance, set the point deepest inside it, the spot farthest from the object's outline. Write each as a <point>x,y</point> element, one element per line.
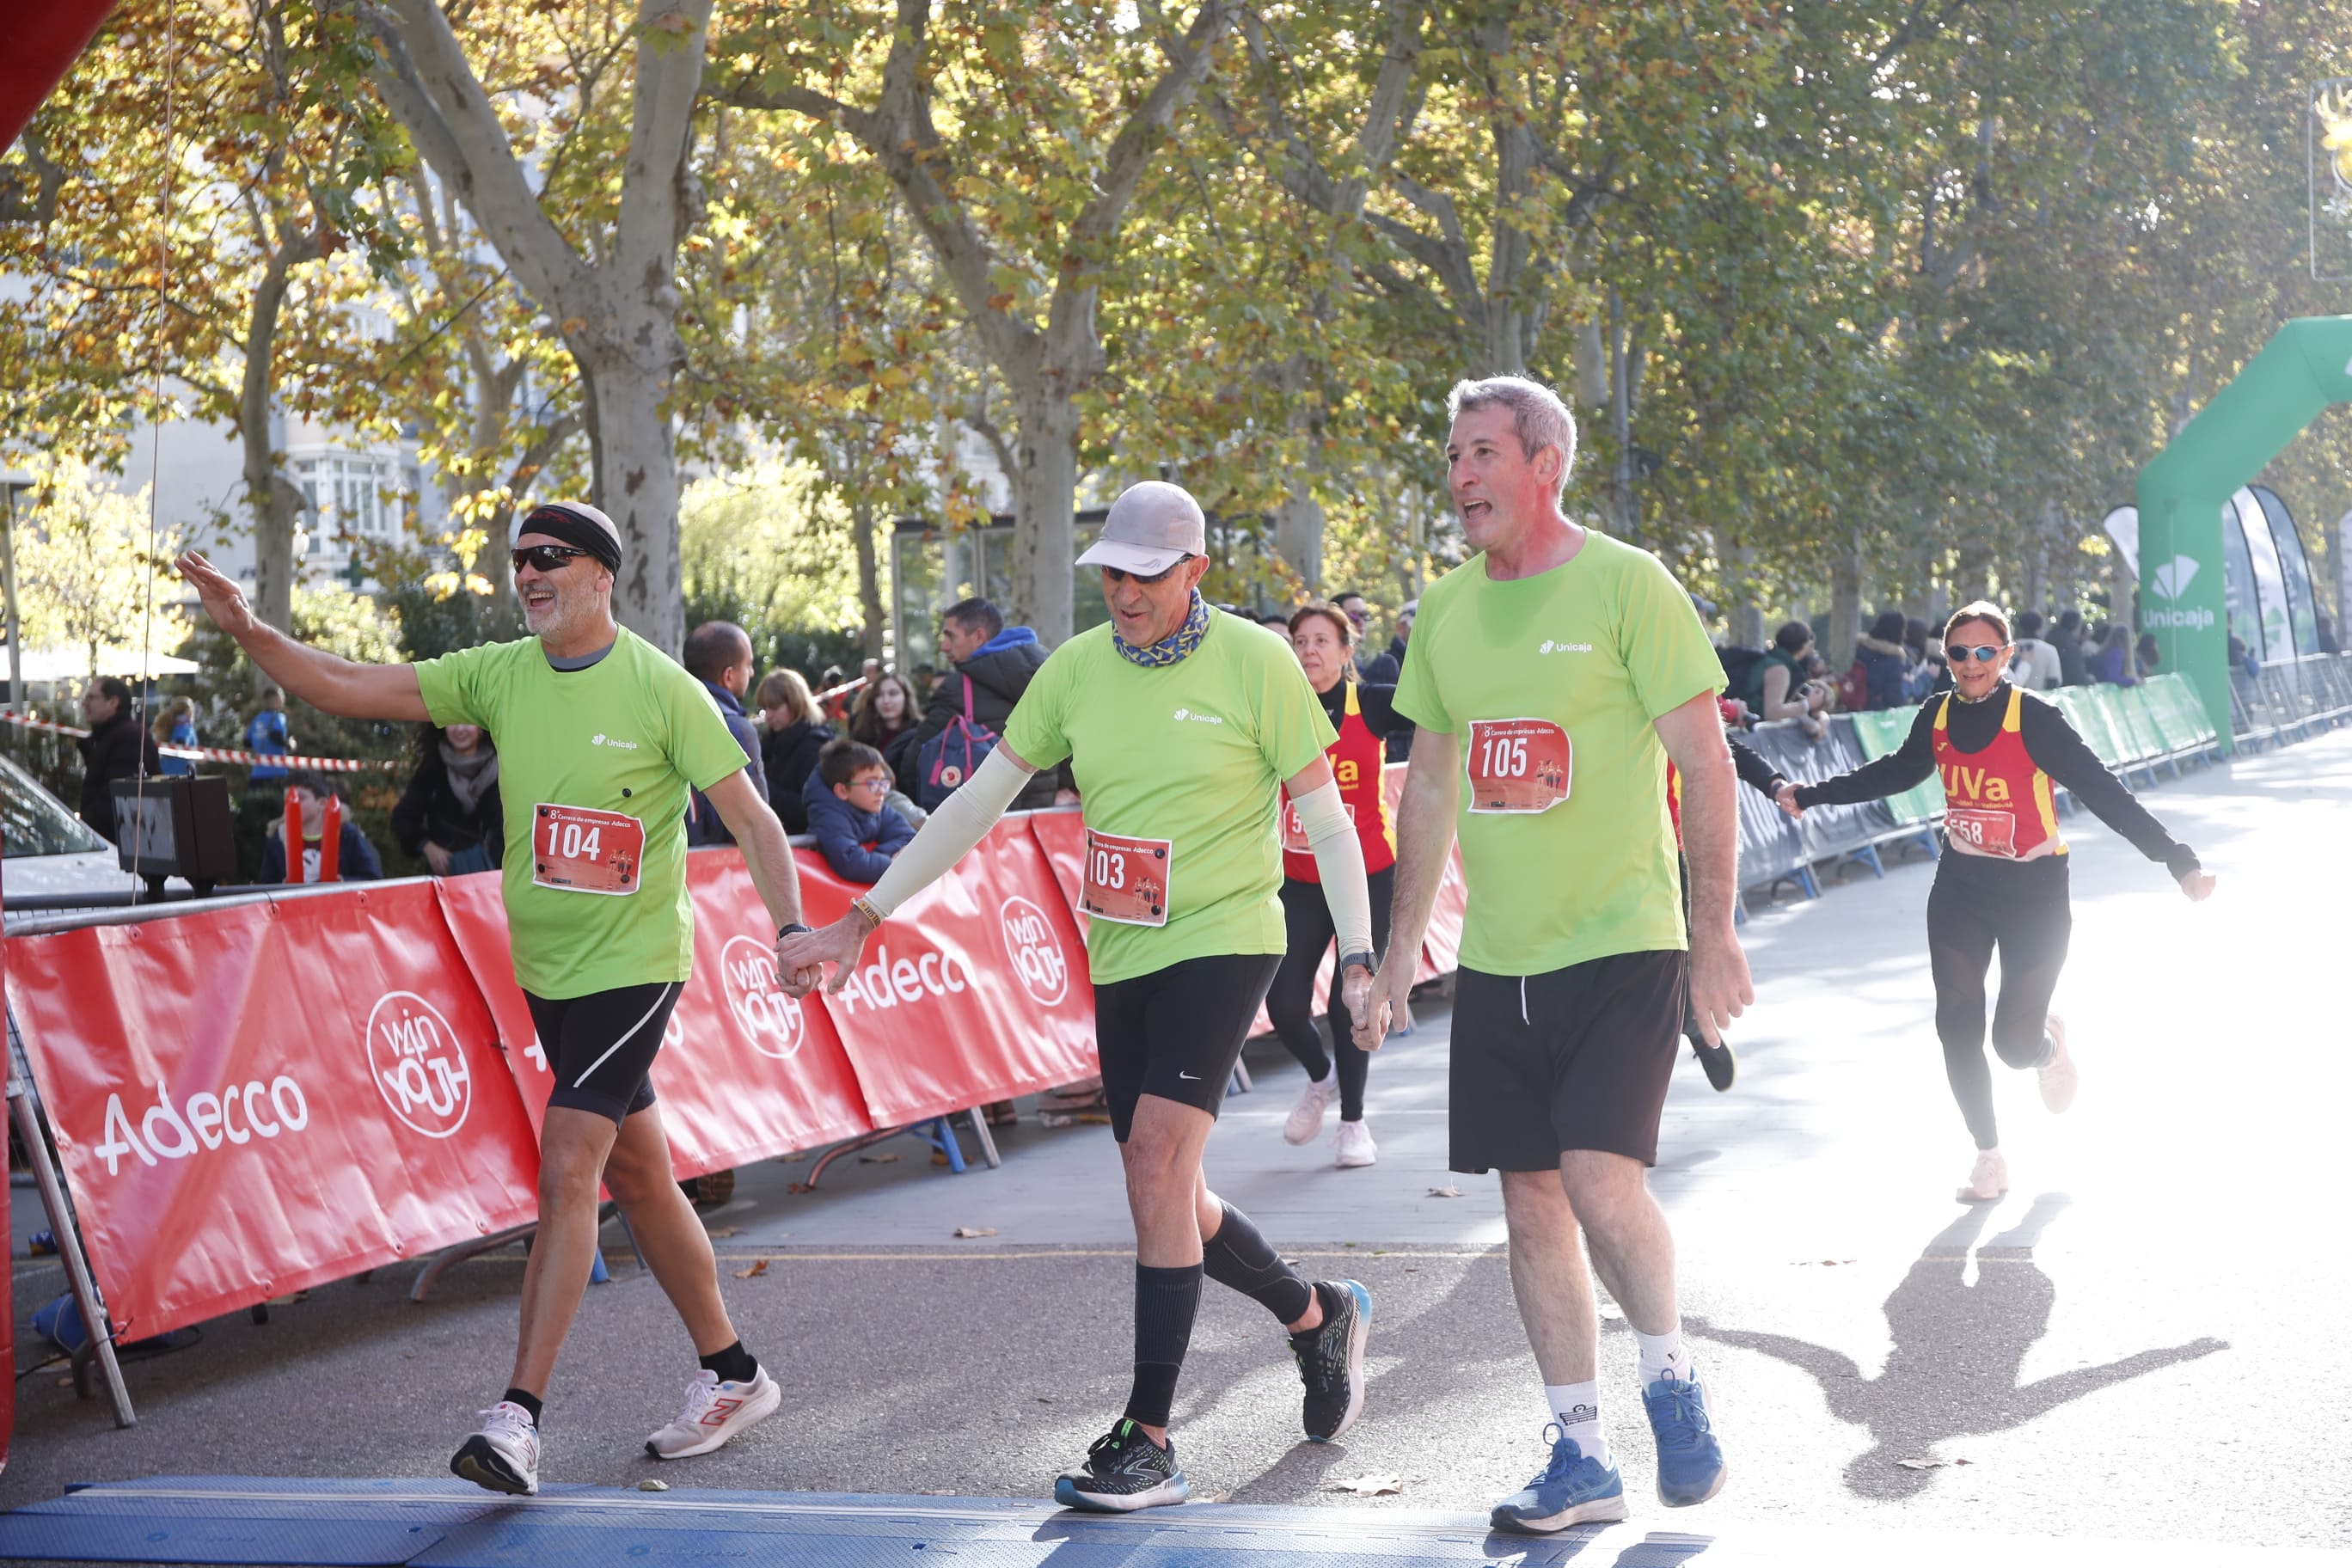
<point>796,929</point>
<point>1362,961</point>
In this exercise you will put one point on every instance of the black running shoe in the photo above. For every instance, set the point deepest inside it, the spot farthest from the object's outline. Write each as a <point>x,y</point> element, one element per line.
<point>1124,1471</point>
<point>1718,1062</point>
<point>1331,1359</point>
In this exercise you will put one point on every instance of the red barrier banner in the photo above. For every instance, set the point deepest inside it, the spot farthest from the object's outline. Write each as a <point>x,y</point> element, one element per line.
<point>254,1100</point>
<point>977,991</point>
<point>745,1072</point>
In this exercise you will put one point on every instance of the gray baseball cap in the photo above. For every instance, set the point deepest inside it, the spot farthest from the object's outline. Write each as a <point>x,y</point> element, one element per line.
<point>1151,527</point>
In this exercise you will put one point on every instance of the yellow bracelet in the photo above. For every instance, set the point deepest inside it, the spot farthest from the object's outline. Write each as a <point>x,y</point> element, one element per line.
<point>864,906</point>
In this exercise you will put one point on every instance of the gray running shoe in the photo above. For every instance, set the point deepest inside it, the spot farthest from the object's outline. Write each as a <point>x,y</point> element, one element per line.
<point>1331,1359</point>
<point>1124,1471</point>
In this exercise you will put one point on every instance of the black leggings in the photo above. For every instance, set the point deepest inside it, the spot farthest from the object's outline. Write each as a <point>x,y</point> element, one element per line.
<point>1977,905</point>
<point>1291,1003</point>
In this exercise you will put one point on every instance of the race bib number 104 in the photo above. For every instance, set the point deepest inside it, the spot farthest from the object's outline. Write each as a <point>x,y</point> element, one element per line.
<point>582,850</point>
<point>1516,765</point>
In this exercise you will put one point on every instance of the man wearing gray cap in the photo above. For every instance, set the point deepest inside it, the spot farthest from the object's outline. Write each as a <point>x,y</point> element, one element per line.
<point>1184,728</point>
<point>600,736</point>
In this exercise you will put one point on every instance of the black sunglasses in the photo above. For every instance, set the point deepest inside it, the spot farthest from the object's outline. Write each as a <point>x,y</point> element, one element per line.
<point>1981,655</point>
<point>546,557</point>
<point>1120,573</point>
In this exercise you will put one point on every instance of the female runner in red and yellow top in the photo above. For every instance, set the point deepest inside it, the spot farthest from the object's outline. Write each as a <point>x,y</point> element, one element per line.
<point>2002,755</point>
<point>1325,640</point>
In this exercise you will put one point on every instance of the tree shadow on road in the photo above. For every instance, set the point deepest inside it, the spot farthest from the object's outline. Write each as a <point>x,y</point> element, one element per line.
<point>1958,1351</point>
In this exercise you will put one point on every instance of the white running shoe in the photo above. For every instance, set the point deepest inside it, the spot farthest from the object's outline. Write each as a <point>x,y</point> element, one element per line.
<point>1988,1178</point>
<point>503,1457</point>
<point>1306,1123</point>
<point>2060,1077</point>
<point>1356,1145</point>
<point>716,1413</point>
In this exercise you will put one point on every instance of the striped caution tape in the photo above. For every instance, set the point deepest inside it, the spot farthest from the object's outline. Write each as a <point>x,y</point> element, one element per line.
<point>216,753</point>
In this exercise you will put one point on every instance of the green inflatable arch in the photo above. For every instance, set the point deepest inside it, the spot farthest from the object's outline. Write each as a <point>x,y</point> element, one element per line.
<point>2306,367</point>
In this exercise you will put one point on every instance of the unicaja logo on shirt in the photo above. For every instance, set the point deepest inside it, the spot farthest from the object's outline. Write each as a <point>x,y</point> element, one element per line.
<point>1550,646</point>
<point>1184,714</point>
<point>609,741</point>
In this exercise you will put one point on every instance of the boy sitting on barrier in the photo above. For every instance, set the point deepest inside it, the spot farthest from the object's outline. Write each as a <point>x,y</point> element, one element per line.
<point>847,811</point>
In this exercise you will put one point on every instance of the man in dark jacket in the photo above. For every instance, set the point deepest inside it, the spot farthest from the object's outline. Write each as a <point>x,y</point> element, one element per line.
<point>114,749</point>
<point>2066,636</point>
<point>999,661</point>
<point>719,654</point>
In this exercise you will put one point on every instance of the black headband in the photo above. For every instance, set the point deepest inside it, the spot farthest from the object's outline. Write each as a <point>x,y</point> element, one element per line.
<point>581,532</point>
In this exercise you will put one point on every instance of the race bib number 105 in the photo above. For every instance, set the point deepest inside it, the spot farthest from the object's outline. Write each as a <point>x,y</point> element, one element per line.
<point>582,850</point>
<point>1516,765</point>
<point>1127,878</point>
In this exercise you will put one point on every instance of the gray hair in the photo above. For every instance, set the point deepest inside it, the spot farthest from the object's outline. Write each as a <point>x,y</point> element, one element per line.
<point>1538,415</point>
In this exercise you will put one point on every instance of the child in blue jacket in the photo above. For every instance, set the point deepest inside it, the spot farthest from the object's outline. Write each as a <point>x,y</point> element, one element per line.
<point>846,794</point>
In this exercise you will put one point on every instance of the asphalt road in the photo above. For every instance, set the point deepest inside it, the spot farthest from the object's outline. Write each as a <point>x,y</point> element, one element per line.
<point>2140,1343</point>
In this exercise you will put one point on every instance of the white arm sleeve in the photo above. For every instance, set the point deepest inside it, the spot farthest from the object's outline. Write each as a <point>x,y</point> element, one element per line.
<point>1340,862</point>
<point>961,821</point>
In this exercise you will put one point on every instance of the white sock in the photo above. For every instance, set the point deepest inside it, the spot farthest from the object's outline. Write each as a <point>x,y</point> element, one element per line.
<point>1577,1408</point>
<point>1663,1353</point>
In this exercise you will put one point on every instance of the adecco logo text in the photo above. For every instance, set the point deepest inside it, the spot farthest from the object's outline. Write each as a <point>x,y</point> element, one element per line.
<point>1036,950</point>
<point>769,1017</point>
<point>233,1114</point>
<point>886,981</point>
<point>418,1064</point>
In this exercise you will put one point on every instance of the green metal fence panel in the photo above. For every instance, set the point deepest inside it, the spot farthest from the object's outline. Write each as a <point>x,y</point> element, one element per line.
<point>2081,705</point>
<point>1885,731</point>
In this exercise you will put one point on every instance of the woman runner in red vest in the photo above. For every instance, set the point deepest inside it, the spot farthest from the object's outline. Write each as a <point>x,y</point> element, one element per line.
<point>2001,756</point>
<point>1325,640</point>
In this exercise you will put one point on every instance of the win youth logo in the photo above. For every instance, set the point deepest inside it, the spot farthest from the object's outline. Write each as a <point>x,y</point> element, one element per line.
<point>418,1064</point>
<point>1036,950</point>
<point>770,1018</point>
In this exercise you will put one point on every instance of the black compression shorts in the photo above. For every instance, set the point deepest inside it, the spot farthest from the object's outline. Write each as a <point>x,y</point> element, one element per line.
<point>1177,1032</point>
<point>601,1046</point>
<point>1576,1059</point>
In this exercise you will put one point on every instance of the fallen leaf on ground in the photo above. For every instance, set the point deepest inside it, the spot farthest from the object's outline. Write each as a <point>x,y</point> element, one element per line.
<point>1445,1191</point>
<point>969,1232</point>
<point>758,1267</point>
<point>1371,1486</point>
<point>877,1159</point>
<point>1928,1464</point>
<point>653,1485</point>
<point>717,1231</point>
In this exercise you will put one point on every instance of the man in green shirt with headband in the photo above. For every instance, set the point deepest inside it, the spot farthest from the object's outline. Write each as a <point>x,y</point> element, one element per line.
<point>600,737</point>
<point>1182,727</point>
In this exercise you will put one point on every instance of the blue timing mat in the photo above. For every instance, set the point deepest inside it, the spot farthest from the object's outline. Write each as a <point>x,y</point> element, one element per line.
<point>447,1523</point>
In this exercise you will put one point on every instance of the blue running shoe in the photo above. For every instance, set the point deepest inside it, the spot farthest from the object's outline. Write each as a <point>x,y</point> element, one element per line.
<point>1573,1489</point>
<point>1690,1461</point>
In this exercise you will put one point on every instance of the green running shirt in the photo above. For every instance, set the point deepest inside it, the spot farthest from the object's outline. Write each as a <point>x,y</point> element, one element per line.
<point>1600,647</point>
<point>1194,754</point>
<point>626,735</point>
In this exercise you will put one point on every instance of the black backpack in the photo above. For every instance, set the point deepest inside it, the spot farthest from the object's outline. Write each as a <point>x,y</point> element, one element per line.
<point>1738,668</point>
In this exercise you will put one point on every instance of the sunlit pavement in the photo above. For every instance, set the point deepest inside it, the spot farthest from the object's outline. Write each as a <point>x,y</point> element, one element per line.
<point>2141,1344</point>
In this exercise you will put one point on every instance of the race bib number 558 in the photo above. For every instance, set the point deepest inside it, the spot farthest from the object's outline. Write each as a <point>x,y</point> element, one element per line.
<point>582,851</point>
<point>1516,765</point>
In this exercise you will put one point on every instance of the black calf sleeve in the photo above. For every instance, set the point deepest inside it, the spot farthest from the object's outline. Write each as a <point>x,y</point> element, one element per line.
<point>1166,1301</point>
<point>1239,1258</point>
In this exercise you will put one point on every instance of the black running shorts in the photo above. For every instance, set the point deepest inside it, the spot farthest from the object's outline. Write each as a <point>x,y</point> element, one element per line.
<point>1177,1032</point>
<point>601,1046</point>
<point>1576,1059</point>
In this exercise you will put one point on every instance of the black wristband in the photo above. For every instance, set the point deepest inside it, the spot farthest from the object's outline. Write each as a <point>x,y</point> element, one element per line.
<point>796,929</point>
<point>1363,961</point>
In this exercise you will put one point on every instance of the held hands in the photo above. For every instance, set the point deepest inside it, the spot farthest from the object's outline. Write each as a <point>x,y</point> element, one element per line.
<point>2198,886</point>
<point>223,600</point>
<point>1373,1001</point>
<point>801,957</point>
<point>1785,797</point>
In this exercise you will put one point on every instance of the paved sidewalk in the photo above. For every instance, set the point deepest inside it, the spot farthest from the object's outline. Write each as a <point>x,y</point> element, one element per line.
<point>2138,1344</point>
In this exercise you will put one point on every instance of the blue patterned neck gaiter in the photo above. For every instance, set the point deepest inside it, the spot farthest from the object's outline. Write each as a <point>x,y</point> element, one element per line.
<point>1171,649</point>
